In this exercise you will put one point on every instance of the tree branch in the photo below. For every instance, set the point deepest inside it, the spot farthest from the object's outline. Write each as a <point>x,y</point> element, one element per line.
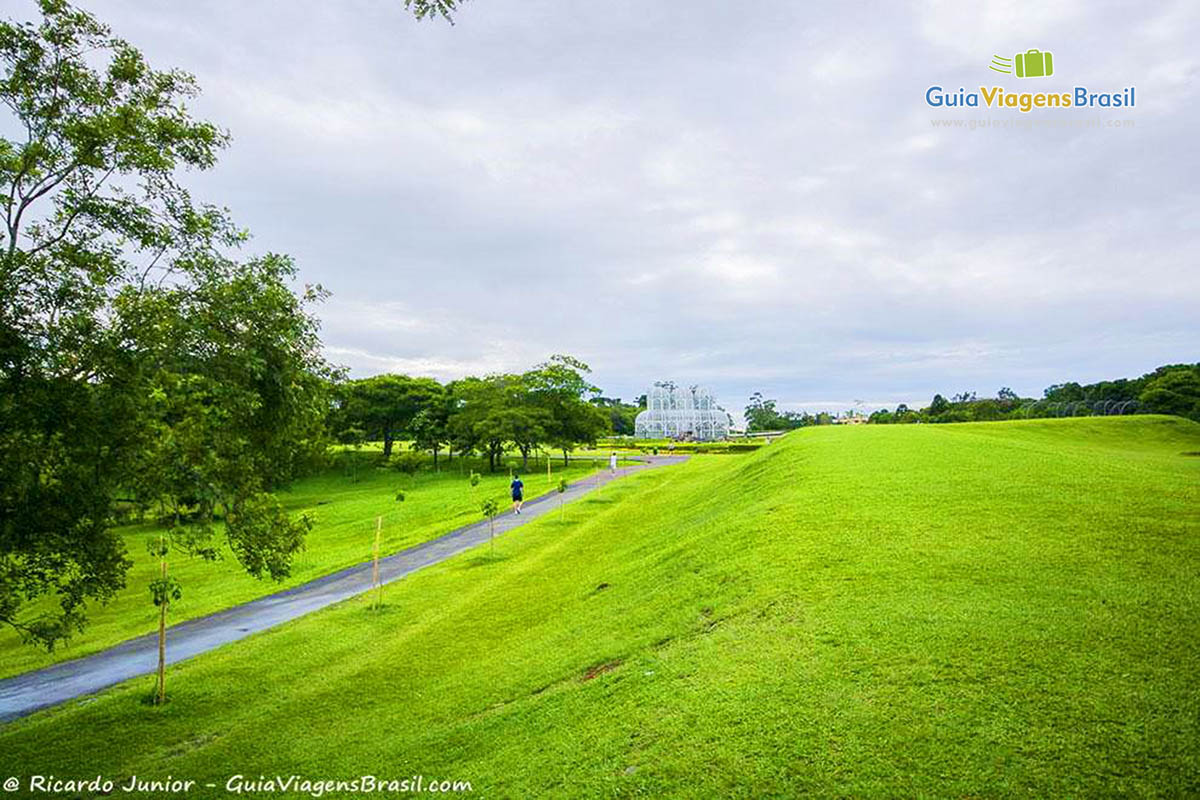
<point>74,214</point>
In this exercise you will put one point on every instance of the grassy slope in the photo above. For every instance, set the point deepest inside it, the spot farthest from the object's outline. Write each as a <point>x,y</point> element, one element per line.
<point>344,535</point>
<point>984,610</point>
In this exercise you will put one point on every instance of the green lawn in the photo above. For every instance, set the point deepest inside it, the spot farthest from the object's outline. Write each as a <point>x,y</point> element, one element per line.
<point>623,445</point>
<point>343,536</point>
<point>998,609</point>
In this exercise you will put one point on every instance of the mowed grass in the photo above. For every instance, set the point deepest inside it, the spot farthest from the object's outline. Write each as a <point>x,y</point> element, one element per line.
<point>344,510</point>
<point>986,610</point>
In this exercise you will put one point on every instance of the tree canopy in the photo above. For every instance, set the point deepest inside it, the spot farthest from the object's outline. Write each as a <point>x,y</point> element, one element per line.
<point>560,388</point>
<point>384,407</point>
<point>433,8</point>
<point>140,363</point>
<point>762,415</point>
<point>1169,389</point>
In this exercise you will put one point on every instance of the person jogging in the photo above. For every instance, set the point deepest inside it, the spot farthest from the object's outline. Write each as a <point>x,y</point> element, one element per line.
<point>612,464</point>
<point>518,493</point>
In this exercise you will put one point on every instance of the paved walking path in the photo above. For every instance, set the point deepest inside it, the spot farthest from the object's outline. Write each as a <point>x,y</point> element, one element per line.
<point>24,694</point>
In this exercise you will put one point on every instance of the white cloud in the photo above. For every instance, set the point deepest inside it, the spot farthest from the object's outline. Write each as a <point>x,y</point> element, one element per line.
<point>754,200</point>
<point>979,29</point>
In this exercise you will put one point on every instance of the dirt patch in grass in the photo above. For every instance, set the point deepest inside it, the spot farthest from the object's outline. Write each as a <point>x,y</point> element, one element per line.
<point>600,669</point>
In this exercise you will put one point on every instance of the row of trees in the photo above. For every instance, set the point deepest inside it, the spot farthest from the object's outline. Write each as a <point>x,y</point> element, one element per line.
<point>763,415</point>
<point>551,406</point>
<point>1171,389</point>
<point>621,416</point>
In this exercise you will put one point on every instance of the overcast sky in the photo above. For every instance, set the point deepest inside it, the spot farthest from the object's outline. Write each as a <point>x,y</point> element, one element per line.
<point>750,196</point>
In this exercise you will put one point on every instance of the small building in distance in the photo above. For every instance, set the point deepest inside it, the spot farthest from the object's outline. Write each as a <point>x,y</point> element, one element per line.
<point>676,413</point>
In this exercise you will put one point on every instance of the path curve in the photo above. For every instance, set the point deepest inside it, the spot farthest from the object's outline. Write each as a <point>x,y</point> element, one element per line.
<point>23,694</point>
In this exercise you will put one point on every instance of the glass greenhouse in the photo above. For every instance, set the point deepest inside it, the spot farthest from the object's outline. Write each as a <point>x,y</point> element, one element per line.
<point>677,413</point>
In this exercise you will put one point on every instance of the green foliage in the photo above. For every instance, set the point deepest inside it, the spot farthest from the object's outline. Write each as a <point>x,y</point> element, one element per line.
<point>408,463</point>
<point>433,8</point>
<point>384,407</point>
<point>263,537</point>
<point>548,405</point>
<point>429,428</point>
<point>400,496</point>
<point>165,590</point>
<point>559,388</point>
<point>494,411</point>
<point>1172,389</point>
<point>474,479</point>
<point>658,446</point>
<point>761,415</point>
<point>562,485</point>
<point>138,361</point>
<point>489,507</point>
<point>621,416</point>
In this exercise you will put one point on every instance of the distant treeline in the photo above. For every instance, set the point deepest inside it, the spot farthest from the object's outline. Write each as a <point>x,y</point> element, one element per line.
<point>763,415</point>
<point>550,407</point>
<point>1172,389</point>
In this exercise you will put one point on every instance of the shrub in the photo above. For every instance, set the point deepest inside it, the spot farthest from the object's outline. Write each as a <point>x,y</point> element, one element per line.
<point>408,463</point>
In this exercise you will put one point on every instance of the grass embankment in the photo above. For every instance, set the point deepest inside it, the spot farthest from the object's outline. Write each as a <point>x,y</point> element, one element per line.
<point>344,535</point>
<point>670,447</point>
<point>881,611</point>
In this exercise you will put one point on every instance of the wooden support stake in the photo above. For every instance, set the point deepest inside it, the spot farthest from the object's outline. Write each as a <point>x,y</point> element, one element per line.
<point>162,630</point>
<point>375,571</point>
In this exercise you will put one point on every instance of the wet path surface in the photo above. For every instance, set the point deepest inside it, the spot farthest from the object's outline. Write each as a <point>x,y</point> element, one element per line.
<point>24,694</point>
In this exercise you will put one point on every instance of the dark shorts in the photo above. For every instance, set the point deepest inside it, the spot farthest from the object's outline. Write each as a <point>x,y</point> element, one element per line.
<point>517,496</point>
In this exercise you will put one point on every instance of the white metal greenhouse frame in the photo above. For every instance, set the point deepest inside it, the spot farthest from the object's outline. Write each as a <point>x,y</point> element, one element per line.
<point>678,413</point>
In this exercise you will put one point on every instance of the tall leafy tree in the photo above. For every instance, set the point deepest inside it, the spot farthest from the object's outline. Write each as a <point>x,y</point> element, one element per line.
<point>384,406</point>
<point>1173,390</point>
<point>621,416</point>
<point>430,428</point>
<point>762,415</point>
<point>138,360</point>
<point>494,411</point>
<point>561,389</point>
<point>475,424</point>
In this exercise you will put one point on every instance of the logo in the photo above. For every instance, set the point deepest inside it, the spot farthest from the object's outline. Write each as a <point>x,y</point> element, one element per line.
<point>1030,64</point>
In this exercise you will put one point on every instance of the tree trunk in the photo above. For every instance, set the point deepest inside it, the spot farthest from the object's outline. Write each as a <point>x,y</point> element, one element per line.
<point>161,695</point>
<point>387,443</point>
<point>566,459</point>
<point>435,454</point>
<point>525,458</point>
